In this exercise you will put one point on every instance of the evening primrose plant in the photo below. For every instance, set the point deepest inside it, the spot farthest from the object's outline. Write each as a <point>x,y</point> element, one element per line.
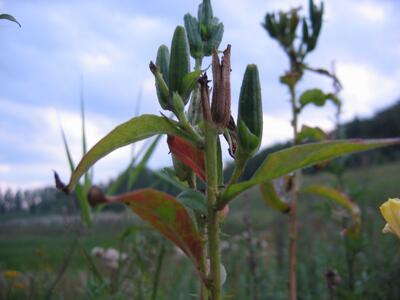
<point>202,116</point>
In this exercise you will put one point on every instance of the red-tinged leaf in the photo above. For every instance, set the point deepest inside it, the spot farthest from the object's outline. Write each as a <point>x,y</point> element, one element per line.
<point>164,213</point>
<point>188,154</point>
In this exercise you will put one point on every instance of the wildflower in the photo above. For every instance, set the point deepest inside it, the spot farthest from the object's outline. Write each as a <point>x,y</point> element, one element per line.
<point>391,212</point>
<point>18,286</point>
<point>108,258</point>
<point>11,274</point>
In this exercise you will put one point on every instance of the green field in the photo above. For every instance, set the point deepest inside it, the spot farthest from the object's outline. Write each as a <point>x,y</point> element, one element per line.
<point>35,246</point>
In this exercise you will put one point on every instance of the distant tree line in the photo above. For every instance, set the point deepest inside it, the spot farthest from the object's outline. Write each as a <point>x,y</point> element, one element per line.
<point>383,124</point>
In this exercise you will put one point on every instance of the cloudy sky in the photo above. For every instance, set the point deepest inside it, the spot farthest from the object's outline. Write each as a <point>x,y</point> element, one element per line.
<point>106,46</point>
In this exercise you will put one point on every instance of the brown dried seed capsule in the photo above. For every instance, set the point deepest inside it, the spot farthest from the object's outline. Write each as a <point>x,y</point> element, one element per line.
<point>221,98</point>
<point>205,98</point>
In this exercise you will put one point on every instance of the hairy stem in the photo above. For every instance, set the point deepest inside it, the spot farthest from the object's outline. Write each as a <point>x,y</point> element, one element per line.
<point>293,210</point>
<point>213,223</point>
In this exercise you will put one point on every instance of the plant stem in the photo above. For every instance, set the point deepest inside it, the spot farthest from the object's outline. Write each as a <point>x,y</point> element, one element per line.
<point>158,272</point>
<point>237,171</point>
<point>213,222</point>
<point>293,210</point>
<point>203,261</point>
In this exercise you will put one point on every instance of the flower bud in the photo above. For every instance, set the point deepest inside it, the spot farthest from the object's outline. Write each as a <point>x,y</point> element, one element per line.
<point>204,33</point>
<point>250,117</point>
<point>194,37</point>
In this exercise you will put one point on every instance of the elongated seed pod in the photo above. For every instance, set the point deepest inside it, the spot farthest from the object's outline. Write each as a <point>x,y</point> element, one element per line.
<point>250,116</point>
<point>161,87</point>
<point>160,72</point>
<point>162,61</point>
<point>179,64</point>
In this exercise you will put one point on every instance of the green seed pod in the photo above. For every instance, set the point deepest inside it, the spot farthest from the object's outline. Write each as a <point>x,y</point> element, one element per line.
<point>161,87</point>
<point>194,37</point>
<point>160,72</point>
<point>179,64</point>
<point>250,115</point>
<point>162,61</point>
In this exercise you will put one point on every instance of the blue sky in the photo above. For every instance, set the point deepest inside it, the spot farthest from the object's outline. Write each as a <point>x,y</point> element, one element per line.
<point>110,43</point>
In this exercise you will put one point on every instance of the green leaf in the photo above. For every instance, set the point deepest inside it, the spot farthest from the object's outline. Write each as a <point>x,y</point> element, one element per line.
<point>168,216</point>
<point>193,200</point>
<point>9,18</point>
<point>342,200</point>
<point>86,211</point>
<point>333,194</point>
<point>168,176</point>
<point>315,134</point>
<point>188,84</point>
<point>134,130</point>
<point>271,197</point>
<point>317,97</point>
<point>294,158</point>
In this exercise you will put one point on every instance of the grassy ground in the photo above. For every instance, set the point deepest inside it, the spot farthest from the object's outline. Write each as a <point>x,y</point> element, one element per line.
<point>254,247</point>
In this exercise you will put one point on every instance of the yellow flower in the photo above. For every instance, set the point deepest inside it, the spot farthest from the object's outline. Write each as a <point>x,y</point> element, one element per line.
<point>11,274</point>
<point>391,212</point>
<point>18,286</point>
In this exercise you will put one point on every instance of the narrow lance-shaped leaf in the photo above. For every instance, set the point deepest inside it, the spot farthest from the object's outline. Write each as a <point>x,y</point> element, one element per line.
<point>294,158</point>
<point>80,192</point>
<point>9,18</point>
<point>87,177</point>
<point>165,214</point>
<point>188,154</point>
<point>341,199</point>
<point>271,197</point>
<point>134,130</point>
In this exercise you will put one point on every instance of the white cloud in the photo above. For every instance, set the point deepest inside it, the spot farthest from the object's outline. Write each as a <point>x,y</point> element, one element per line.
<point>95,61</point>
<point>4,168</point>
<point>366,89</point>
<point>276,129</point>
<point>44,138</point>
<point>371,11</point>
